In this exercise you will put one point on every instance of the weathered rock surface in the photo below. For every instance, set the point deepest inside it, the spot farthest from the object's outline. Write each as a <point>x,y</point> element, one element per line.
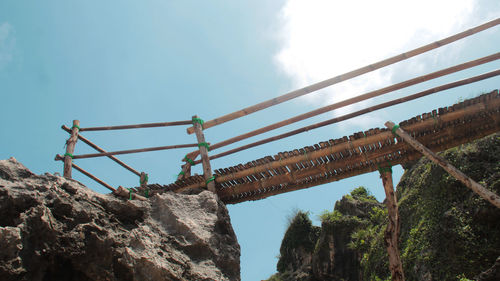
<point>57,229</point>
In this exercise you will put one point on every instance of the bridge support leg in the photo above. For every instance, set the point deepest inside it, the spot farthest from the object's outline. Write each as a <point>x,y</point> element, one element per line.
<point>207,169</point>
<point>467,181</point>
<point>391,235</point>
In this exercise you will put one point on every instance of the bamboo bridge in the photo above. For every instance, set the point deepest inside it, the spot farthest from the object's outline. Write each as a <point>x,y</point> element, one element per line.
<point>323,162</point>
<point>360,153</point>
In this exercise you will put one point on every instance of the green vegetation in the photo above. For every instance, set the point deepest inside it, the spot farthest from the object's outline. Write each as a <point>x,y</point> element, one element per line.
<point>301,233</point>
<point>447,231</point>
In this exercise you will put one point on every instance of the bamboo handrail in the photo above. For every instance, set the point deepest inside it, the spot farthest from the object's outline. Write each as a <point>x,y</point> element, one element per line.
<point>470,110</point>
<point>359,112</point>
<point>345,76</point>
<point>92,177</point>
<point>92,155</point>
<point>137,126</point>
<point>94,146</point>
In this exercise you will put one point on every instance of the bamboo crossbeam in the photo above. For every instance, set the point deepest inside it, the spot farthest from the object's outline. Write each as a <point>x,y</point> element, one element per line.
<point>94,146</point>
<point>92,155</point>
<point>359,112</point>
<point>137,126</point>
<point>468,111</point>
<point>93,177</point>
<point>345,76</point>
<point>467,181</point>
<point>359,98</point>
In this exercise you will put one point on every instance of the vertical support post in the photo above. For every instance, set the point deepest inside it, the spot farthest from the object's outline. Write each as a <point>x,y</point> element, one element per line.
<point>467,181</point>
<point>391,235</point>
<point>203,146</point>
<point>70,148</point>
<point>144,184</point>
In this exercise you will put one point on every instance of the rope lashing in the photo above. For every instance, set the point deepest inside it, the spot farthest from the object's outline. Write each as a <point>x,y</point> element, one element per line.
<point>145,180</point>
<point>206,145</point>
<point>386,169</point>
<point>394,129</point>
<point>210,179</point>
<point>68,154</point>
<point>189,160</point>
<point>198,120</point>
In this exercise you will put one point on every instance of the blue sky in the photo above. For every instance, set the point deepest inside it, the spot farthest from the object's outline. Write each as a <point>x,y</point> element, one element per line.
<point>127,62</point>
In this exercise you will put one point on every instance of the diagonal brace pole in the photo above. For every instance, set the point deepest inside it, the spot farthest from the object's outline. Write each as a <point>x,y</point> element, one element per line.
<point>467,181</point>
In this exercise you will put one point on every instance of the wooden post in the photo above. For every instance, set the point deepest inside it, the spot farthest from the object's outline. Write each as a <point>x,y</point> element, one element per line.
<point>70,148</point>
<point>467,181</point>
<point>391,235</point>
<point>207,169</point>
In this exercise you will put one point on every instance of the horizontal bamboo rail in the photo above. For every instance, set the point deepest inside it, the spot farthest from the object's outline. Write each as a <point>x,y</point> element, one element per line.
<point>467,181</point>
<point>345,76</point>
<point>92,177</point>
<point>360,112</point>
<point>94,146</point>
<point>137,126</point>
<point>92,155</point>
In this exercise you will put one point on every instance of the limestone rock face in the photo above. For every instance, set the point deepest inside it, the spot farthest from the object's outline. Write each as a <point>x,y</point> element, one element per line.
<point>57,229</point>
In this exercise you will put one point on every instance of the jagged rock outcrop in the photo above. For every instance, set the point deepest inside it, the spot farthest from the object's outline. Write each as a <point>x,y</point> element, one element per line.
<point>57,229</point>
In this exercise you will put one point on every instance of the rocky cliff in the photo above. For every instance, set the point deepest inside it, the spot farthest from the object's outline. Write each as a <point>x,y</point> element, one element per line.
<point>447,231</point>
<point>57,229</point>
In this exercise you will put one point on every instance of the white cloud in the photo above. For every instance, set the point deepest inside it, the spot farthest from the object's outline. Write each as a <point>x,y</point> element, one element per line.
<point>7,43</point>
<point>324,38</point>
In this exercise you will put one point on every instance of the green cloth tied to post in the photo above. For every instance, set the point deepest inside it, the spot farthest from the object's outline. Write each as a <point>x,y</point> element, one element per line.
<point>385,169</point>
<point>76,126</point>
<point>394,129</point>
<point>210,179</point>
<point>130,191</point>
<point>189,160</point>
<point>181,173</point>
<point>198,120</point>
<point>206,145</point>
<point>68,154</point>
<point>146,179</point>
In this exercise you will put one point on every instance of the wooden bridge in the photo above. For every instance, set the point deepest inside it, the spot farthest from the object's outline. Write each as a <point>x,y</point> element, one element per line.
<point>360,153</point>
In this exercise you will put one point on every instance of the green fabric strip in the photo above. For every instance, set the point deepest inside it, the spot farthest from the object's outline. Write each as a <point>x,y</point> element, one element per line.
<point>205,145</point>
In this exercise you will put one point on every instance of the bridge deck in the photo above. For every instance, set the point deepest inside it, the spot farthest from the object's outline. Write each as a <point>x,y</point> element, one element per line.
<point>357,154</point>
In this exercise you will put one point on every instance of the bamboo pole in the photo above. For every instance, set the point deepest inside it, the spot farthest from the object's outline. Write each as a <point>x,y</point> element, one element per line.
<point>345,76</point>
<point>137,126</point>
<point>467,181</point>
<point>70,148</point>
<point>391,234</point>
<point>94,146</point>
<point>93,177</point>
<point>92,155</point>
<point>359,112</point>
<point>468,111</point>
<point>207,169</point>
